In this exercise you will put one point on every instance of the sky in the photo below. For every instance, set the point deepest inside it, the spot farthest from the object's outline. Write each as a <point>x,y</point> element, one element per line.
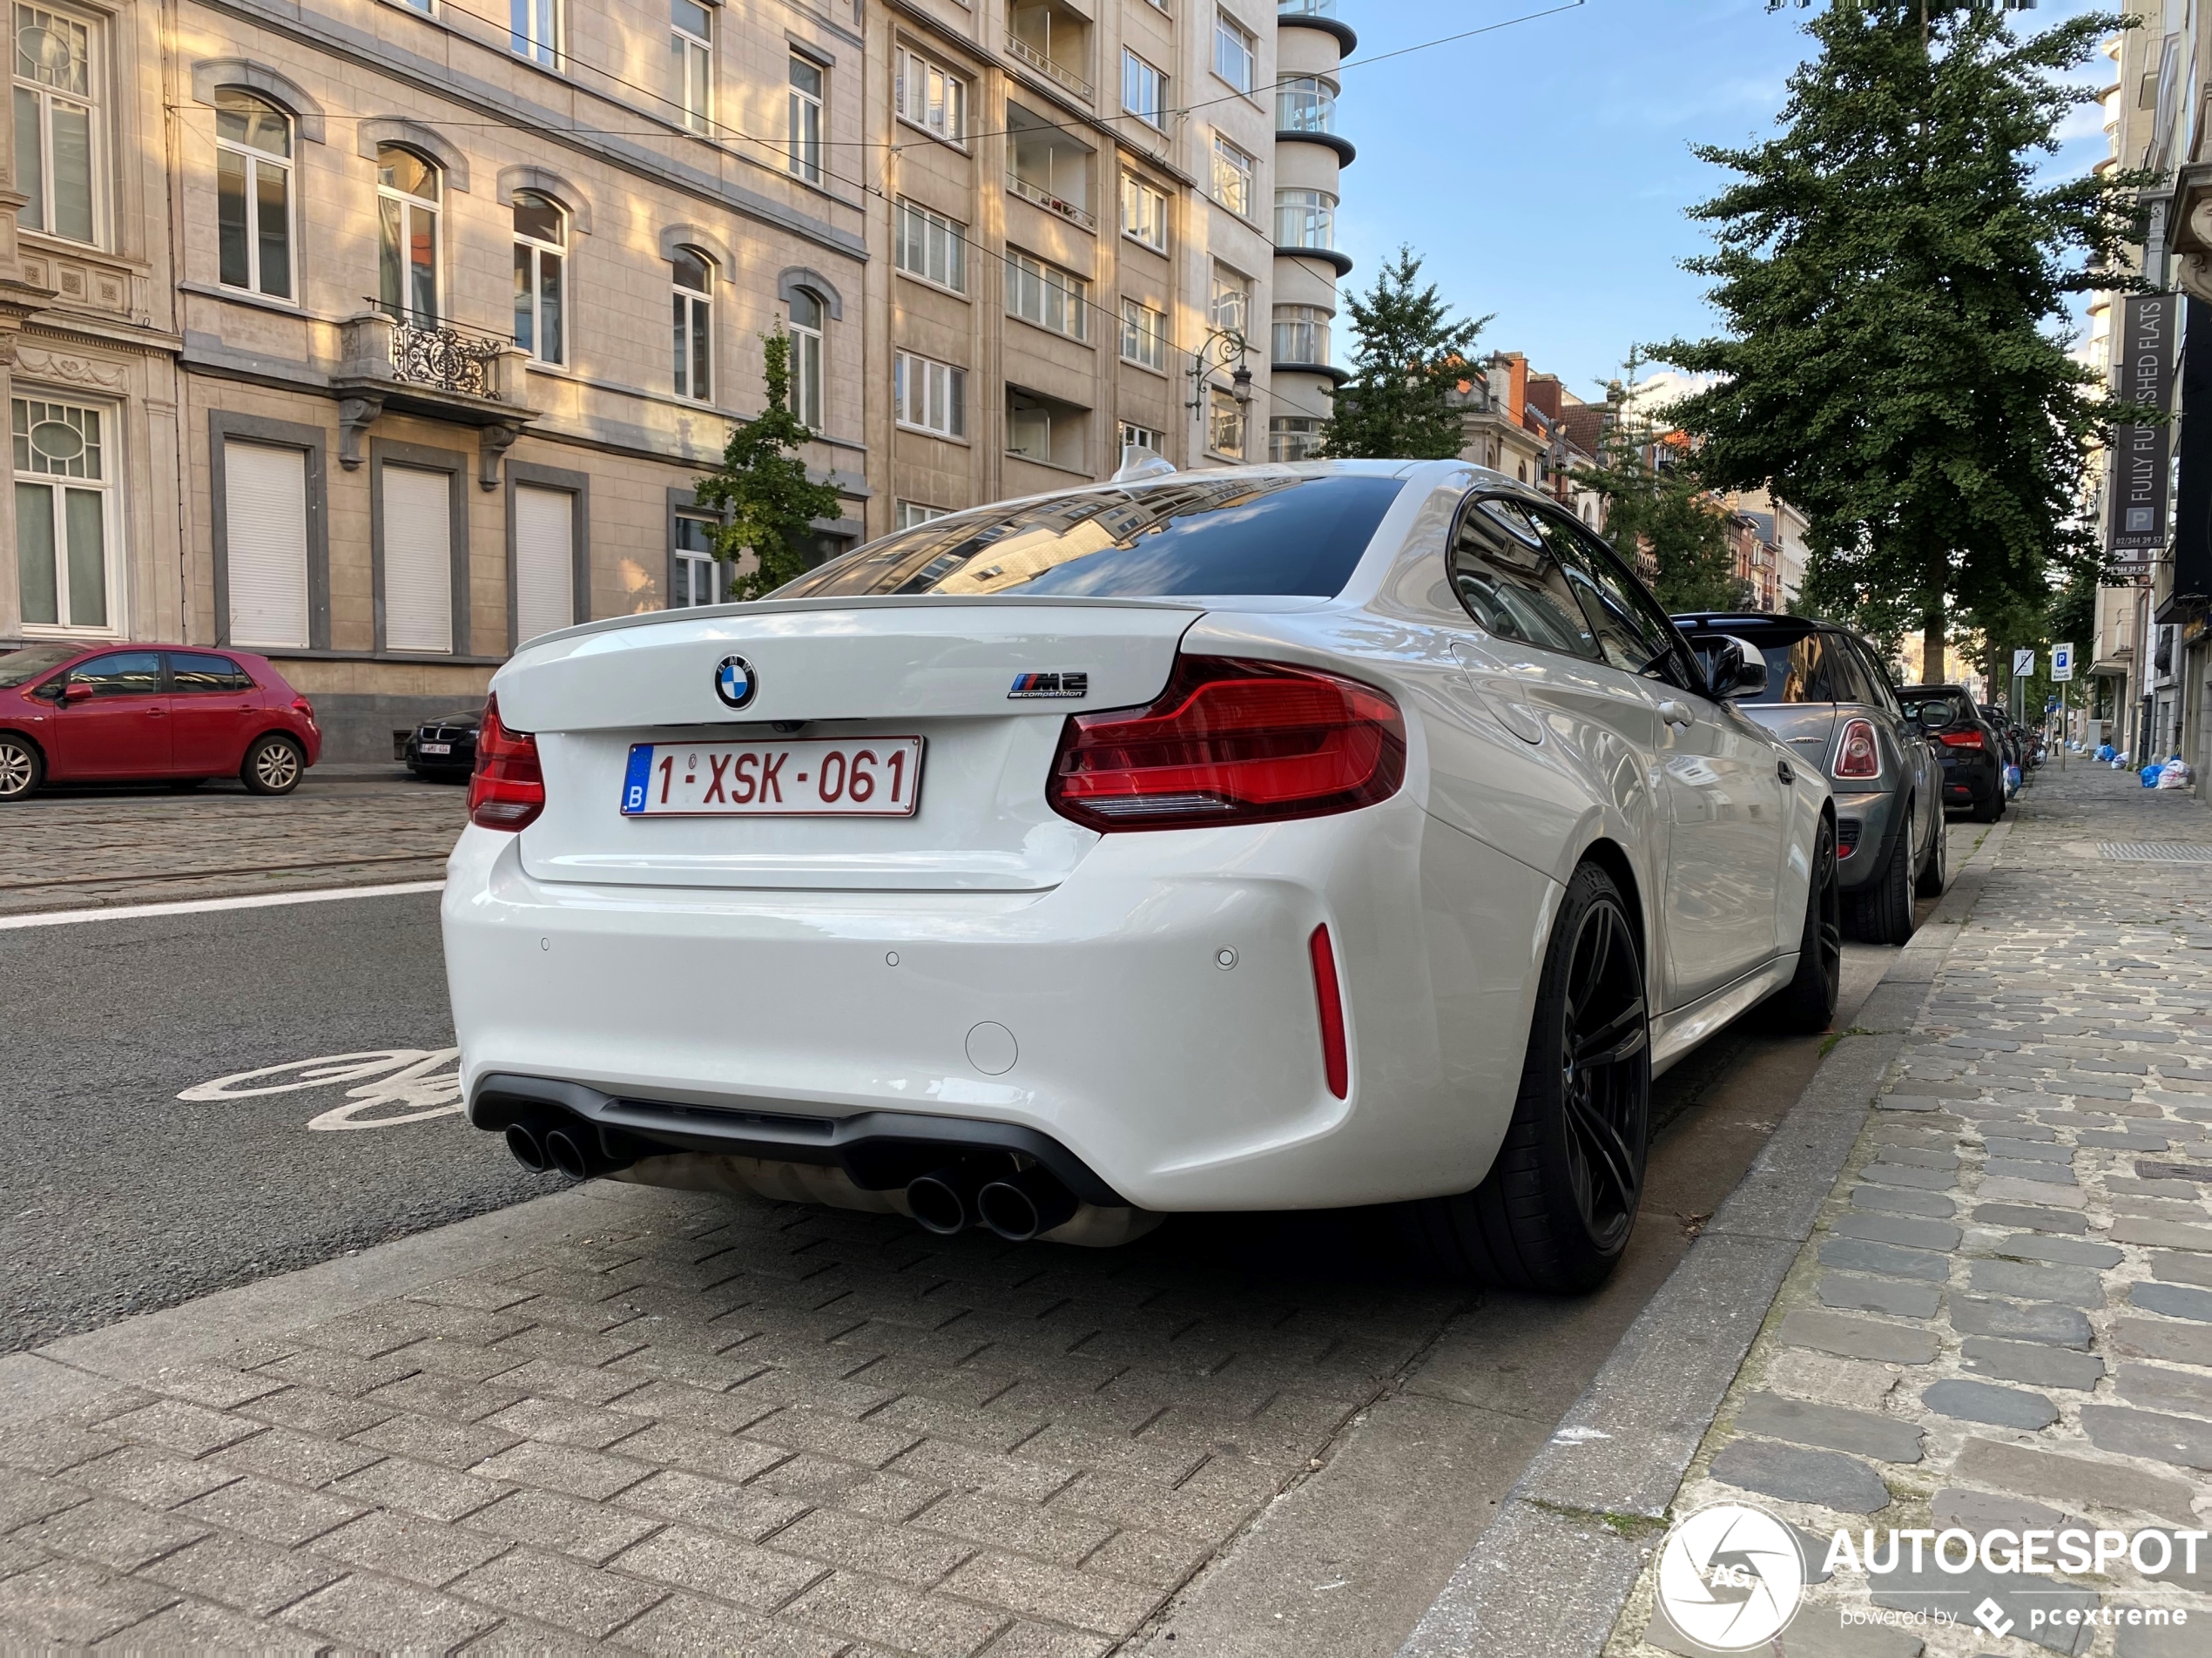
<point>1541,169</point>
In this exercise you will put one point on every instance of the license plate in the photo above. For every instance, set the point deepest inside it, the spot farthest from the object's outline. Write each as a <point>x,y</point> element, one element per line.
<point>436,748</point>
<point>868,777</point>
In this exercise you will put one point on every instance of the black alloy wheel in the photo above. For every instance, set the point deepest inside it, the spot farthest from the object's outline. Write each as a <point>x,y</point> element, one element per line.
<point>1556,1209</point>
<point>1935,874</point>
<point>1808,1003</point>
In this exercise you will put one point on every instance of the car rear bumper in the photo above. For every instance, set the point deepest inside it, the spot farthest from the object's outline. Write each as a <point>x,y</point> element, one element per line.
<point>1873,814</point>
<point>1155,1015</point>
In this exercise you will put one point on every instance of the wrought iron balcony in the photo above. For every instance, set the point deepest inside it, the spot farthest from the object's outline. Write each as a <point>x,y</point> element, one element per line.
<point>1050,202</point>
<point>429,355</point>
<point>418,366</point>
<point>1024,52</point>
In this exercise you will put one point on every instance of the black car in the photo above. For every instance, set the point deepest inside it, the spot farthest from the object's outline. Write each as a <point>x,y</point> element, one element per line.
<point>1973,751</point>
<point>444,747</point>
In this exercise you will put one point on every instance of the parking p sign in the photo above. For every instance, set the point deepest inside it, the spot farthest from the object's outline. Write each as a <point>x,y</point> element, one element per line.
<point>2023,664</point>
<point>2061,662</point>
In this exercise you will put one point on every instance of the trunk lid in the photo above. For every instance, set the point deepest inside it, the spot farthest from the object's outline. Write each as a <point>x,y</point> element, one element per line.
<point>847,669</point>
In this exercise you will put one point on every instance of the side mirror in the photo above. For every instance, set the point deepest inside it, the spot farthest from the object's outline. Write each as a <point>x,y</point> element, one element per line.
<point>1934,716</point>
<point>1736,667</point>
<point>77,693</point>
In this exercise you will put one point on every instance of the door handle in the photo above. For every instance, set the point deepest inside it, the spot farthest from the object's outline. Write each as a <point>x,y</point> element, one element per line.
<point>156,713</point>
<point>1782,769</point>
<point>1674,714</point>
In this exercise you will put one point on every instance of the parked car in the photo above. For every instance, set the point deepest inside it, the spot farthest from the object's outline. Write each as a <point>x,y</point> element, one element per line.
<point>2009,748</point>
<point>1829,697</point>
<point>1972,754</point>
<point>1267,838</point>
<point>444,747</point>
<point>78,713</point>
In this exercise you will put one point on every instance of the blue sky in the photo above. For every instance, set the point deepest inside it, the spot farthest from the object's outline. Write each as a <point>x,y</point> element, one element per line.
<point>1542,170</point>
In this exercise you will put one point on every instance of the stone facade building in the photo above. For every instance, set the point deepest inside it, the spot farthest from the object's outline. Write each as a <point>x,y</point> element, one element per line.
<point>380,336</point>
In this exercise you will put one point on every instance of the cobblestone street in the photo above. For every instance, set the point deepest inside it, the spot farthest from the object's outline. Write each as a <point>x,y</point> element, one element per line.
<point>91,848</point>
<point>2005,1316</point>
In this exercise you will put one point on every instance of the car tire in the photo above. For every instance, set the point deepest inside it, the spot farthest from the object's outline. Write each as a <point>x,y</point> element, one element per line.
<point>1882,913</point>
<point>1808,1003</point>
<point>22,768</point>
<point>1555,1210</point>
<point>273,765</point>
<point>1990,807</point>
<point>1935,874</point>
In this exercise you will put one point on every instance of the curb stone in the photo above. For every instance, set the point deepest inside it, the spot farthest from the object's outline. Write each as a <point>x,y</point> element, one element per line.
<point>1552,1572</point>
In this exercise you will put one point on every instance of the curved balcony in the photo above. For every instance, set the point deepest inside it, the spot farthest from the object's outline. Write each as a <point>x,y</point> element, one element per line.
<point>1318,14</point>
<point>1306,110</point>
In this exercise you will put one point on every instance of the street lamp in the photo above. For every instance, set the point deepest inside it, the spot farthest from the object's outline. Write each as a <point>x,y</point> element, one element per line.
<point>1222,347</point>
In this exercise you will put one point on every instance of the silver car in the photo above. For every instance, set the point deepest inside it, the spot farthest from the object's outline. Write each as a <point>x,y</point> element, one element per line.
<point>1828,696</point>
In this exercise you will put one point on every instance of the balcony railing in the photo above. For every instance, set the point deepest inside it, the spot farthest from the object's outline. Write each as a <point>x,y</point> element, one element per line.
<point>430,354</point>
<point>1018,48</point>
<point>1305,7</point>
<point>1305,107</point>
<point>1050,202</point>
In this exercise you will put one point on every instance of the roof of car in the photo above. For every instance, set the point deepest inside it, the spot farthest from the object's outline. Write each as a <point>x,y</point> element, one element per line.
<point>1763,621</point>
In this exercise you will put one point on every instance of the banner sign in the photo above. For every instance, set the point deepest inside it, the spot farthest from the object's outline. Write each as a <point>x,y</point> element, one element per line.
<point>2144,375</point>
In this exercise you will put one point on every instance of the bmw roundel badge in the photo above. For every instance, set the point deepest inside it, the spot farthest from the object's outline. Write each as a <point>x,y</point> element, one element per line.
<point>735,682</point>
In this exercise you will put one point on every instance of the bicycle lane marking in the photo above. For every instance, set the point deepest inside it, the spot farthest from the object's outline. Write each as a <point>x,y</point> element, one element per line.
<point>425,1080</point>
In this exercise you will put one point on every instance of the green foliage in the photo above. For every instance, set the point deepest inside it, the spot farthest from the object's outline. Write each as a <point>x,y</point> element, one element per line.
<point>1656,502</point>
<point>1409,358</point>
<point>1896,278</point>
<point>761,489</point>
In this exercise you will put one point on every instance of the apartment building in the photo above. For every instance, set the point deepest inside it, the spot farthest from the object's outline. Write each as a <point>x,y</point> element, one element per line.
<point>380,336</point>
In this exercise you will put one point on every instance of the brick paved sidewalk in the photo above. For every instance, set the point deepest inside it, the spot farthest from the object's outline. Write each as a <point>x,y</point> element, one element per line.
<point>94,848</point>
<point>681,1423</point>
<point>2005,1316</point>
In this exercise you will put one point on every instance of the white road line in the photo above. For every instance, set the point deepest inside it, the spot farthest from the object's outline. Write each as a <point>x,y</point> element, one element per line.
<point>196,905</point>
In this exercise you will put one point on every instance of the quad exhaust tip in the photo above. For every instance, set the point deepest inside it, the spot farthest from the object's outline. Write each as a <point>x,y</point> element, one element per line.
<point>1026,1205</point>
<point>526,1148</point>
<point>943,1200</point>
<point>544,1145</point>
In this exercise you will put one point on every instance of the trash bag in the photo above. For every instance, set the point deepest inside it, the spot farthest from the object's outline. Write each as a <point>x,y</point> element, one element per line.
<point>2176,773</point>
<point>2105,752</point>
<point>2149,774</point>
<point>2011,779</point>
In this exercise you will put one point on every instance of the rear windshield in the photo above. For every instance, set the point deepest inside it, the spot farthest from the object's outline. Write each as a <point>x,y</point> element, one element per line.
<point>1271,537</point>
<point>21,667</point>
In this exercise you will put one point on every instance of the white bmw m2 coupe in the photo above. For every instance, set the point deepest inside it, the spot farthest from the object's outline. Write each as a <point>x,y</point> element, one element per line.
<point>1271,837</point>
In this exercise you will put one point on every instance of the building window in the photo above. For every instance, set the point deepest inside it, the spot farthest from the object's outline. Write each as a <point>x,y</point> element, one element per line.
<point>540,239</point>
<point>418,559</point>
<point>692,275</point>
<point>253,195</point>
<point>910,515</point>
<point>1144,213</point>
<point>62,515</point>
<point>1225,424</point>
<point>1144,335</point>
<point>932,98</point>
<point>1306,219</point>
<point>806,359</point>
<point>408,190</point>
<point>1292,437</point>
<point>1132,436</point>
<point>1235,54</point>
<point>691,44</point>
<point>1045,430</point>
<point>1144,90</point>
<point>531,30</point>
<point>1305,103</point>
<point>694,577</point>
<point>806,118</point>
<point>56,125</point>
<point>1232,301</point>
<point>1047,295</point>
<point>265,544</point>
<point>1233,177</point>
<point>931,246</point>
<point>930,396</point>
<point>1301,335</point>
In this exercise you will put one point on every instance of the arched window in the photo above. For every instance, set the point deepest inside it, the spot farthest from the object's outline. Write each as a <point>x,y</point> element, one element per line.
<point>541,241</point>
<point>691,274</point>
<point>806,358</point>
<point>408,190</point>
<point>254,195</point>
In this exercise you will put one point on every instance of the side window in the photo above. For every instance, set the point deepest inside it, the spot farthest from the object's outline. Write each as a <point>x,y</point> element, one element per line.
<point>1877,676</point>
<point>192,671</point>
<point>1799,672</point>
<point>1847,680</point>
<point>121,673</point>
<point>1510,584</point>
<point>1632,632</point>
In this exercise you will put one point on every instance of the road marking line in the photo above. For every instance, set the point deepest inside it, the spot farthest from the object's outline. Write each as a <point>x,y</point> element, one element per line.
<point>197,906</point>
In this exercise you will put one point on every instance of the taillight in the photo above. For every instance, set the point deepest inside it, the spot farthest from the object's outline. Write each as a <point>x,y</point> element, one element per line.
<point>305,709</point>
<point>1962,739</point>
<point>1231,742</point>
<point>1856,755</point>
<point>507,790</point>
<point>1336,1059</point>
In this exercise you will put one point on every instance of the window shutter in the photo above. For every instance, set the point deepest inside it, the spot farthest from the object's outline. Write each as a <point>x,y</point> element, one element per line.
<point>418,560</point>
<point>544,566</point>
<point>265,501</point>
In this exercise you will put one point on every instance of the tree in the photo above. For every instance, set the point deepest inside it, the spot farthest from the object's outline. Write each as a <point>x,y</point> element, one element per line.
<point>762,491</point>
<point>1655,504</point>
<point>1409,359</point>
<point>1895,277</point>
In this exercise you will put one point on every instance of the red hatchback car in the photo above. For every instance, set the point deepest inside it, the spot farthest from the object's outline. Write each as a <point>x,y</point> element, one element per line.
<point>76,713</point>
